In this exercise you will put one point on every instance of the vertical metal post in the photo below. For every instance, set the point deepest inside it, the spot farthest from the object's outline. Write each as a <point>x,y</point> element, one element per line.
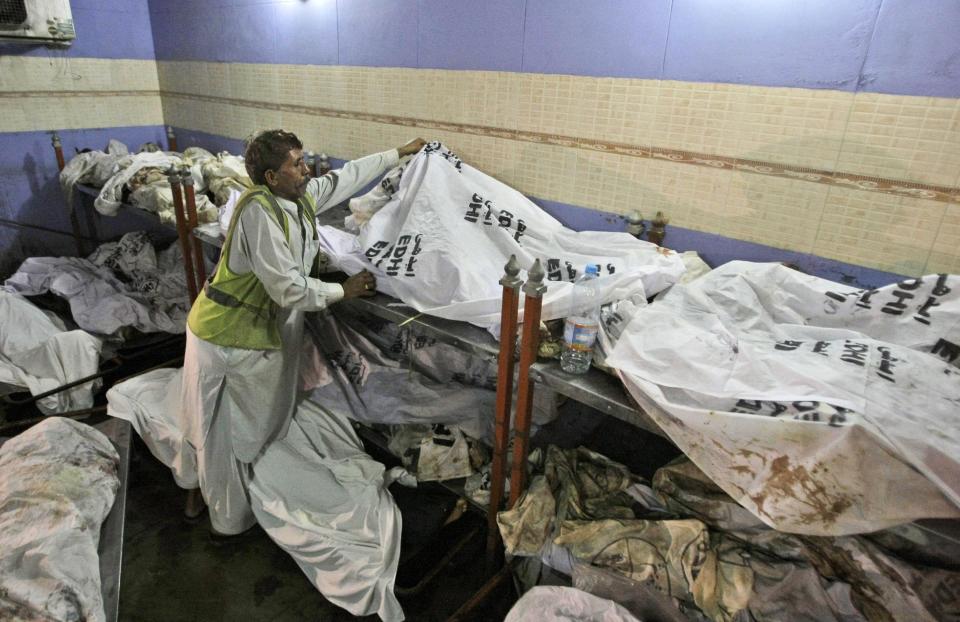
<point>529,343</point>
<point>174,178</point>
<point>58,149</point>
<point>501,434</point>
<point>171,139</point>
<point>190,199</point>
<point>71,209</point>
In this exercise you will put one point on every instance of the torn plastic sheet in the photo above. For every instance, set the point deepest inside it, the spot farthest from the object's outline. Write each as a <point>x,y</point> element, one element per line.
<point>820,408</point>
<point>440,244</point>
<point>59,483</point>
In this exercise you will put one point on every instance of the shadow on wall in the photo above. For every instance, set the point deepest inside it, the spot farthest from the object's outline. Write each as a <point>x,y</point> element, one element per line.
<point>34,218</point>
<point>31,196</point>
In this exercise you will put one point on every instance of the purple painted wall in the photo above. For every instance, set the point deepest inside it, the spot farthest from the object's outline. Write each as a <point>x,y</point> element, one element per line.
<point>105,29</point>
<point>33,218</point>
<point>888,46</point>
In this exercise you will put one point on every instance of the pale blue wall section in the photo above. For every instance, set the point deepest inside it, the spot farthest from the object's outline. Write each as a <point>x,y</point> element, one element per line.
<point>105,29</point>
<point>307,32</point>
<point>379,33</point>
<point>811,44</point>
<point>30,191</point>
<point>621,38</point>
<point>465,34</point>
<point>887,46</point>
<point>915,49</point>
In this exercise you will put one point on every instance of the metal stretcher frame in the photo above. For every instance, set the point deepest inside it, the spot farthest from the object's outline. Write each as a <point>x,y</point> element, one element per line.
<point>185,211</point>
<point>110,550</point>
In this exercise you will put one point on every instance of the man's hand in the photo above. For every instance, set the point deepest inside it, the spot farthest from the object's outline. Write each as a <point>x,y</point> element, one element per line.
<point>411,147</point>
<point>362,284</point>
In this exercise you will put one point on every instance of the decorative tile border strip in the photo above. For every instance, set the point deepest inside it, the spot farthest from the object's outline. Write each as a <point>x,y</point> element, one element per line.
<point>48,94</point>
<point>896,187</point>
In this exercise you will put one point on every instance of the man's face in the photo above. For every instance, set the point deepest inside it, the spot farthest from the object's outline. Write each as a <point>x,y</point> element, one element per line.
<point>290,182</point>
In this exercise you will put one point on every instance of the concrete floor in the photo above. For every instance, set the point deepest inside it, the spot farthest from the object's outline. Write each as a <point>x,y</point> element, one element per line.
<point>172,570</point>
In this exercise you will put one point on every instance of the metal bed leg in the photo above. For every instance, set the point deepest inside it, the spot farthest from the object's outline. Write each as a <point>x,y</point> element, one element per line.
<point>185,247</point>
<point>171,139</point>
<point>501,435</point>
<point>58,149</point>
<point>199,270</point>
<point>72,209</point>
<point>532,304</point>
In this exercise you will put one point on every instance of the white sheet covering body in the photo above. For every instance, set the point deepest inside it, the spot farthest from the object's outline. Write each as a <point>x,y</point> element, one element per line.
<point>59,482</point>
<point>123,283</point>
<point>235,401</point>
<point>324,500</point>
<point>38,353</point>
<point>822,409</point>
<point>151,403</point>
<point>551,603</point>
<point>441,242</point>
<point>91,167</point>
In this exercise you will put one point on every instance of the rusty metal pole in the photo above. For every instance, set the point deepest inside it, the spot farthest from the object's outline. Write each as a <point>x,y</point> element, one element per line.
<point>74,220</point>
<point>58,149</point>
<point>174,178</point>
<point>171,139</point>
<point>501,434</point>
<point>190,199</point>
<point>533,301</point>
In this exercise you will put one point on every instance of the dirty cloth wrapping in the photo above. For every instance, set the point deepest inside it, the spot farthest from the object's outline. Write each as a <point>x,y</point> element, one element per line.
<point>441,242</point>
<point>91,167</point>
<point>377,372</point>
<point>59,482</point>
<point>122,284</point>
<point>225,174</point>
<point>144,176</point>
<point>320,497</point>
<point>39,353</point>
<point>563,604</point>
<point>821,408</point>
<point>150,402</point>
<point>693,543</point>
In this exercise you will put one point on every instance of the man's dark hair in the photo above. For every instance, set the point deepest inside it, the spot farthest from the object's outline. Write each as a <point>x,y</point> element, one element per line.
<point>267,151</point>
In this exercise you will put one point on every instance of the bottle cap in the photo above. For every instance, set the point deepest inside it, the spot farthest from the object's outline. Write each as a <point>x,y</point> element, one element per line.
<point>592,269</point>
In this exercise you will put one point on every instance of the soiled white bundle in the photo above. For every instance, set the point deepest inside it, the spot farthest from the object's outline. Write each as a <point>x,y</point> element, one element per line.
<point>59,482</point>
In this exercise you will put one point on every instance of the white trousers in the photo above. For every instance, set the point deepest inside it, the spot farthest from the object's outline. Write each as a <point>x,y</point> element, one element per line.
<point>325,501</point>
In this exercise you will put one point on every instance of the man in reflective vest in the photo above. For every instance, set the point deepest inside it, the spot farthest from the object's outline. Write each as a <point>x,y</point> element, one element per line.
<point>245,329</point>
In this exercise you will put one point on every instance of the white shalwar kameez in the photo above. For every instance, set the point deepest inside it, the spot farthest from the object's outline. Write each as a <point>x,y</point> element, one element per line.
<point>236,401</point>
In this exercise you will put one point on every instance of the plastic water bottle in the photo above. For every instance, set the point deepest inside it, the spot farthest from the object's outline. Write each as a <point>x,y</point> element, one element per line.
<point>582,325</point>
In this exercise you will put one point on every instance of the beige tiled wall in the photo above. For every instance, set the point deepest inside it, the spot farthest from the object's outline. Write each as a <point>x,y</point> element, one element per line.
<point>498,122</point>
<point>53,93</point>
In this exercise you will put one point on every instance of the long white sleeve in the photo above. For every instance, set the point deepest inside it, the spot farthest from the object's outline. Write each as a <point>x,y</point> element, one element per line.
<point>337,186</point>
<point>259,245</point>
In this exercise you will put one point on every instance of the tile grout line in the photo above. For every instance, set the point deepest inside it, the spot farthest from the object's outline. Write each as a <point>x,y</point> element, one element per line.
<point>896,187</point>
